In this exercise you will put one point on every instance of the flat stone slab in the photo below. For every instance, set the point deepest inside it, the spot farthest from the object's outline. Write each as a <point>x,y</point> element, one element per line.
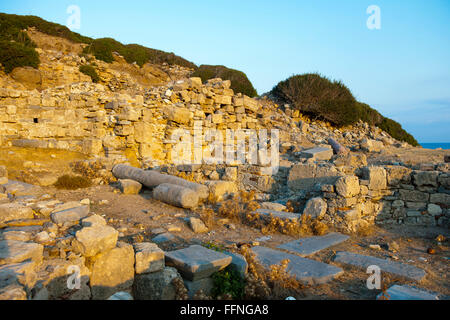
<point>163,237</point>
<point>308,246</point>
<point>277,214</point>
<point>70,215</point>
<point>397,292</point>
<point>17,251</point>
<point>197,262</point>
<point>318,153</point>
<point>397,268</point>
<point>19,188</point>
<point>305,270</point>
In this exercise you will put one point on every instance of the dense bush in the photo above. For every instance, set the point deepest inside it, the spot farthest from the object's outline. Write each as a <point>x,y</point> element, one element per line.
<point>332,101</point>
<point>396,131</point>
<point>239,80</point>
<point>15,54</point>
<point>11,23</point>
<point>103,48</point>
<point>318,96</point>
<point>90,71</point>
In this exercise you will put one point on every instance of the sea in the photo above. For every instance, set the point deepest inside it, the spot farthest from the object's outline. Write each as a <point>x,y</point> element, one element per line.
<point>436,145</point>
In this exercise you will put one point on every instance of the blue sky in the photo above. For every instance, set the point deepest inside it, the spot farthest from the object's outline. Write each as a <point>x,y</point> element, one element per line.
<point>402,70</point>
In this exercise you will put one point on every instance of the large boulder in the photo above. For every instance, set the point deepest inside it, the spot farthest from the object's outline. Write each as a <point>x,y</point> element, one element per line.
<point>149,258</point>
<point>112,271</point>
<point>17,251</point>
<point>14,211</point>
<point>156,285</point>
<point>91,241</point>
<point>306,176</point>
<point>348,186</point>
<point>315,207</point>
<point>425,178</point>
<point>31,78</point>
<point>376,176</point>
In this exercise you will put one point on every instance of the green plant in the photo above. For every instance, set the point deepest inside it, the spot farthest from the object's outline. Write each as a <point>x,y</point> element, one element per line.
<point>16,54</point>
<point>396,131</point>
<point>319,97</point>
<point>214,246</point>
<point>12,29</point>
<point>239,81</point>
<point>103,50</point>
<point>69,182</point>
<point>228,282</point>
<point>90,71</point>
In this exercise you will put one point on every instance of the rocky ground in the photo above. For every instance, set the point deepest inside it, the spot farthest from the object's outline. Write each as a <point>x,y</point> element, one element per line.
<point>136,218</point>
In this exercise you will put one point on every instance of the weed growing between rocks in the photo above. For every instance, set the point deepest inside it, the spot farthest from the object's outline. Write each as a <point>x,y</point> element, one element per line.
<point>228,283</point>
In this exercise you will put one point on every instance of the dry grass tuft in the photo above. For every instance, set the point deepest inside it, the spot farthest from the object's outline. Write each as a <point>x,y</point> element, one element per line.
<point>69,182</point>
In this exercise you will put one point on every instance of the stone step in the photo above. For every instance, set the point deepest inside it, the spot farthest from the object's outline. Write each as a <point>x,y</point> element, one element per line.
<point>397,268</point>
<point>277,214</point>
<point>308,246</point>
<point>197,262</point>
<point>305,270</point>
<point>318,153</point>
<point>398,292</point>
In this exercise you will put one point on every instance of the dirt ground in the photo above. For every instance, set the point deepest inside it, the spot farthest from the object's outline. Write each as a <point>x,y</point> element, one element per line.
<point>140,216</point>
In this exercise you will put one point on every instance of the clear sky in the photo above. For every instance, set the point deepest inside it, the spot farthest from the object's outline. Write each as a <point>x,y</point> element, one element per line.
<point>402,69</point>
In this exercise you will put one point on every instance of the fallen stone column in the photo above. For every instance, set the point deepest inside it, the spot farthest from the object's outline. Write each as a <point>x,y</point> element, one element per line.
<point>337,147</point>
<point>152,179</point>
<point>175,195</point>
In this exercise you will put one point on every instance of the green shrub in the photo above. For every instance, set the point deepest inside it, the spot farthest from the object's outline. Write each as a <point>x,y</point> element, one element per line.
<point>317,96</point>
<point>69,182</point>
<point>90,71</point>
<point>11,24</point>
<point>332,101</point>
<point>239,80</point>
<point>15,54</point>
<point>228,281</point>
<point>103,50</point>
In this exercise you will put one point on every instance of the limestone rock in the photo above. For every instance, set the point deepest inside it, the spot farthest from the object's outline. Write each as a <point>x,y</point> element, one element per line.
<point>91,241</point>
<point>149,258</point>
<point>93,220</point>
<point>70,215</point>
<point>376,176</point>
<point>197,262</point>
<point>16,251</point>
<point>14,211</point>
<point>156,286</point>
<point>128,186</point>
<point>316,208</point>
<point>348,186</point>
<point>112,271</point>
<point>197,225</point>
<point>221,190</point>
